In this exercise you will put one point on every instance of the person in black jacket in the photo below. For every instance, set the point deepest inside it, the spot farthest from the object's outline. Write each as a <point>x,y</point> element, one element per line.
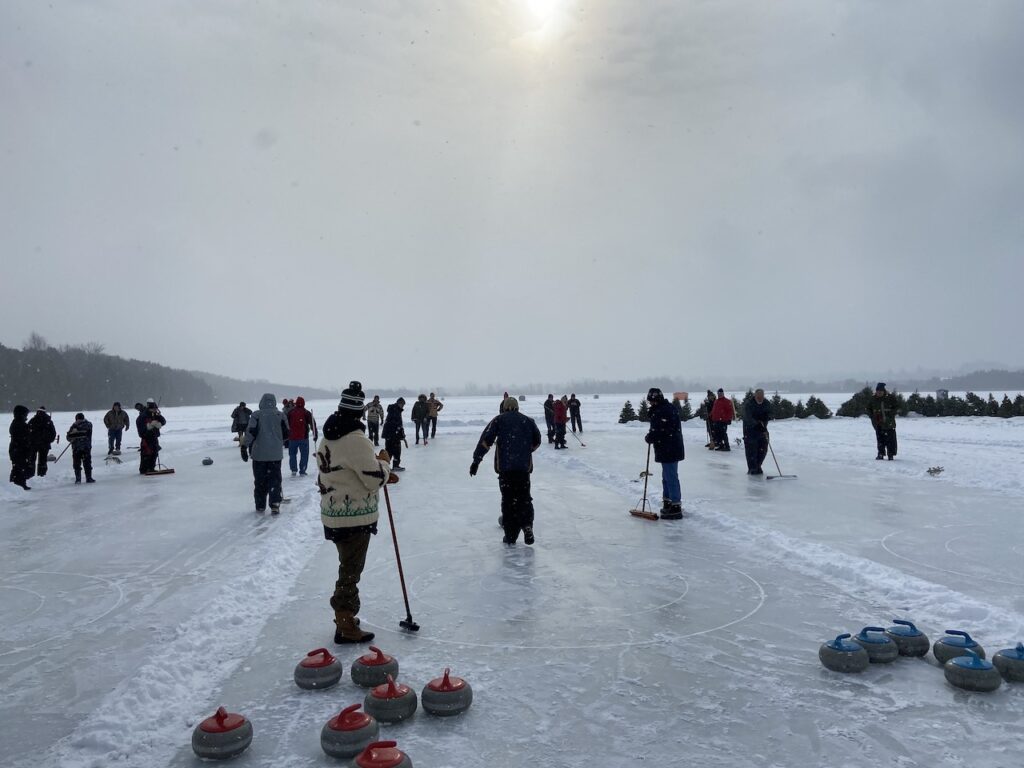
<point>756,415</point>
<point>517,437</point>
<point>80,438</point>
<point>575,420</point>
<point>20,450</point>
<point>43,434</point>
<point>419,418</point>
<point>549,417</point>
<point>239,425</point>
<point>666,437</point>
<point>394,433</point>
<point>148,426</point>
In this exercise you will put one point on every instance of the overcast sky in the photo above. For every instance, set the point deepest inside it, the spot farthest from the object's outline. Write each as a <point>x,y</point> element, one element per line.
<point>429,193</point>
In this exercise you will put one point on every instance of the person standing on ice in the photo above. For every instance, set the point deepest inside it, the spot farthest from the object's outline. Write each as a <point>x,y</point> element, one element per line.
<point>516,436</point>
<point>116,421</point>
<point>561,419</point>
<point>882,410</point>
<point>549,417</point>
<point>20,448</point>
<point>393,433</point>
<point>756,415</point>
<point>575,421</point>
<point>240,423</point>
<point>665,436</point>
<point>419,417</point>
<point>434,407</point>
<point>374,416</point>
<point>43,434</point>
<point>722,415</point>
<point>300,424</point>
<point>705,413</point>
<point>266,436</point>
<point>350,481</point>
<point>80,438</point>
<point>148,425</point>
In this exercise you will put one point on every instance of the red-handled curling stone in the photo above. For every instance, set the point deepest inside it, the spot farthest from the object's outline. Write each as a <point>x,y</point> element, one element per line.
<point>446,695</point>
<point>383,754</point>
<point>318,670</point>
<point>348,733</point>
<point>372,669</point>
<point>391,702</point>
<point>224,735</point>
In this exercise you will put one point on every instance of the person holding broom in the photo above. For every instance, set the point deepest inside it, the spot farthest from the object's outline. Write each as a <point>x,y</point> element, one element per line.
<point>665,436</point>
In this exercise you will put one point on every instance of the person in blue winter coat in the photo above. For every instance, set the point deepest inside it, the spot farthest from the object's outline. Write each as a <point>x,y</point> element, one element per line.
<point>665,436</point>
<point>516,437</point>
<point>265,437</point>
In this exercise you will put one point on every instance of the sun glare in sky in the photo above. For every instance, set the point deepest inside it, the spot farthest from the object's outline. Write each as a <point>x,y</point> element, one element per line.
<point>543,10</point>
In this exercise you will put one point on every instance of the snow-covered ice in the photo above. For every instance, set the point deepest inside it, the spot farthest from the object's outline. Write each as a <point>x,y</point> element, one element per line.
<point>132,608</point>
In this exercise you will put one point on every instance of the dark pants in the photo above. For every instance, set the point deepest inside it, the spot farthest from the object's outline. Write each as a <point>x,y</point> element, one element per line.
<point>549,419</point>
<point>38,460</point>
<point>421,424</point>
<point>721,432</point>
<point>113,440</point>
<point>21,465</point>
<point>577,422</point>
<point>433,426</point>
<point>560,435</point>
<point>755,443</point>
<point>351,559</point>
<point>300,447</point>
<point>242,446</point>
<point>373,432</point>
<point>394,449</point>
<point>266,481</point>
<point>148,451</point>
<point>82,460</point>
<point>516,503</point>
<point>885,439</point>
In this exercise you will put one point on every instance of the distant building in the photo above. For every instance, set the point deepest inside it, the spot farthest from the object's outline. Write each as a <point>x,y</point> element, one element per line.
<point>942,394</point>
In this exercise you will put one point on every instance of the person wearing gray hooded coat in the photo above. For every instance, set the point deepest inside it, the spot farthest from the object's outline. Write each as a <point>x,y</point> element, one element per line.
<point>265,437</point>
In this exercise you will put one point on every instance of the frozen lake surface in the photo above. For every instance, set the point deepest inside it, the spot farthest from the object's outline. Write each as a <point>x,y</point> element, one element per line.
<point>132,608</point>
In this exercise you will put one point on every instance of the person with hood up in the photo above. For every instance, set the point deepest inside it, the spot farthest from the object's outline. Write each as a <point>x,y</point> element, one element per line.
<point>116,421</point>
<point>20,449</point>
<point>43,435</point>
<point>239,424</point>
<point>549,417</point>
<point>350,480</point>
<point>265,436</point>
<point>80,438</point>
<point>561,410</point>
<point>419,417</point>
<point>300,424</point>
<point>722,415</point>
<point>516,436</point>
<point>666,437</point>
<point>394,433</point>
<point>434,407</point>
<point>374,416</point>
<point>148,425</point>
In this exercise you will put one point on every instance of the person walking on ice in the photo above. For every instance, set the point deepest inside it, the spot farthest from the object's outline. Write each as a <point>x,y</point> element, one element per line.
<point>116,421</point>
<point>266,437</point>
<point>665,436</point>
<point>756,415</point>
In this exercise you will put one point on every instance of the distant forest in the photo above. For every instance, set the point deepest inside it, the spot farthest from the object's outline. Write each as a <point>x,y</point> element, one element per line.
<point>84,377</point>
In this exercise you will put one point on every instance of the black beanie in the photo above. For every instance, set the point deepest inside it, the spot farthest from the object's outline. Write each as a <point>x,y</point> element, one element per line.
<point>880,386</point>
<point>352,398</point>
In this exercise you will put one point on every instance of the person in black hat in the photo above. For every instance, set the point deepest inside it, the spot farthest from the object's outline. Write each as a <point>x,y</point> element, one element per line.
<point>882,410</point>
<point>80,437</point>
<point>43,434</point>
<point>666,437</point>
<point>20,449</point>
<point>394,433</point>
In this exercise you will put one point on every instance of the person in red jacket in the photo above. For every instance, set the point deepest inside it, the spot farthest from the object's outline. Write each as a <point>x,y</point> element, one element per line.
<point>722,415</point>
<point>300,424</point>
<point>561,419</point>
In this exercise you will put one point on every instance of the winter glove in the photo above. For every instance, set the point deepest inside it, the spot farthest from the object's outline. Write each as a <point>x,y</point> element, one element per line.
<point>392,478</point>
<point>648,439</point>
<point>473,468</point>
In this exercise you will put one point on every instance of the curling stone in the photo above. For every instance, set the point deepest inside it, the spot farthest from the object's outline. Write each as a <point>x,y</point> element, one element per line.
<point>348,733</point>
<point>954,644</point>
<point>881,649</point>
<point>224,735</point>
<point>318,670</point>
<point>372,669</point>
<point>391,702</point>
<point>207,461</point>
<point>842,655</point>
<point>910,641</point>
<point>1009,662</point>
<point>446,695</point>
<point>972,673</point>
<point>383,754</point>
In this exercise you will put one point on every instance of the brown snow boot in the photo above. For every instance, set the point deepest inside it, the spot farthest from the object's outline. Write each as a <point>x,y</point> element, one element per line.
<point>348,630</point>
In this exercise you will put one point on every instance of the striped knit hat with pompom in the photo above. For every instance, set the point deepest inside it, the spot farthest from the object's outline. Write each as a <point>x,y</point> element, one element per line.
<point>352,398</point>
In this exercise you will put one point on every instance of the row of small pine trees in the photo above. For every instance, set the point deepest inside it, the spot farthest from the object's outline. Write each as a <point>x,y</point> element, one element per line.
<point>781,409</point>
<point>969,405</point>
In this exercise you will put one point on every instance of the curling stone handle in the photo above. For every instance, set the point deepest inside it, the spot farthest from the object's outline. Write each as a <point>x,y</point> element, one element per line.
<point>320,652</point>
<point>960,633</point>
<point>221,714</point>
<point>864,631</point>
<point>976,662</point>
<point>905,623</point>
<point>840,638</point>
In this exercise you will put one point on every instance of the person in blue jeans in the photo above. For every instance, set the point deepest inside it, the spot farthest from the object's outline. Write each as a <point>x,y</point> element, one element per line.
<point>666,438</point>
<point>300,424</point>
<point>116,421</point>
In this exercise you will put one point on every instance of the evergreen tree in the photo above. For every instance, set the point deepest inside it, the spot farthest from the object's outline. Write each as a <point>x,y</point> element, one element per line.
<point>781,408</point>
<point>992,406</point>
<point>643,413</point>
<point>800,411</point>
<point>929,407</point>
<point>685,411</point>
<point>857,405</point>
<point>975,405</point>
<point>1018,405</point>
<point>816,407</point>
<point>1006,408</point>
<point>627,414</point>
<point>915,402</point>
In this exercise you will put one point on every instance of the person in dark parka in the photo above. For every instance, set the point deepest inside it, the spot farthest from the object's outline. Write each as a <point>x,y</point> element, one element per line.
<point>665,436</point>
<point>116,421</point>
<point>43,434</point>
<point>80,438</point>
<point>20,449</point>
<point>239,424</point>
<point>756,415</point>
<point>394,433</point>
<point>266,436</point>
<point>575,420</point>
<point>516,436</point>
<point>148,426</point>
<point>549,417</point>
<point>882,410</point>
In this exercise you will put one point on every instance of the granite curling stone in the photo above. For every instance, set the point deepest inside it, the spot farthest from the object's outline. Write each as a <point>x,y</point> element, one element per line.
<point>843,655</point>
<point>222,736</point>
<point>954,644</point>
<point>447,695</point>
<point>881,649</point>
<point>910,641</point>
<point>391,702</point>
<point>383,754</point>
<point>318,670</point>
<point>207,461</point>
<point>1010,663</point>
<point>348,733</point>
<point>972,673</point>
<point>372,669</point>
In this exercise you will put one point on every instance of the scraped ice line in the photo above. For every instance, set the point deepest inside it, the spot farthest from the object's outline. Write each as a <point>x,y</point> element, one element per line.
<point>169,694</point>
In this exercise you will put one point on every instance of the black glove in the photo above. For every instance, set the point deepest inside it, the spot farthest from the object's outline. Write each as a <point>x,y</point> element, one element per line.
<point>648,439</point>
<point>473,468</point>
